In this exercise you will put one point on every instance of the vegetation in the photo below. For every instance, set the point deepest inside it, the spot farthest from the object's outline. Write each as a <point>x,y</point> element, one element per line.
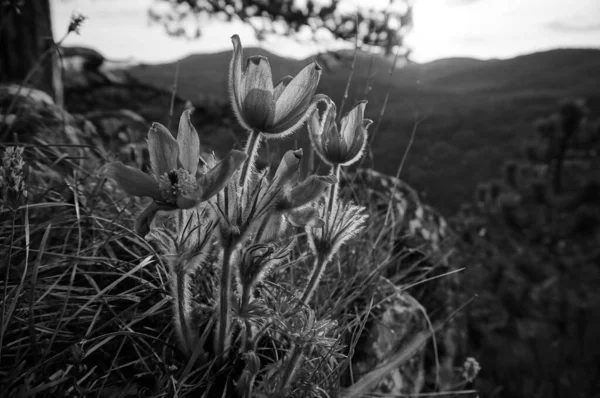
<point>384,28</point>
<point>532,241</point>
<point>212,291</point>
<point>138,264</point>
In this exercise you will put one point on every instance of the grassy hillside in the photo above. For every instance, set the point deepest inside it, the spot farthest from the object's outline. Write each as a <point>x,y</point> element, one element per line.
<point>473,113</point>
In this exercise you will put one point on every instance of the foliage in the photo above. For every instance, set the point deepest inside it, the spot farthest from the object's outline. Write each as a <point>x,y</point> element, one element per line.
<point>380,28</point>
<point>533,239</point>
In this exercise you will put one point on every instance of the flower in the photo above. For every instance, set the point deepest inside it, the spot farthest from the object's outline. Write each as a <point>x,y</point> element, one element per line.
<point>291,197</point>
<point>275,111</point>
<point>335,146</point>
<point>176,182</point>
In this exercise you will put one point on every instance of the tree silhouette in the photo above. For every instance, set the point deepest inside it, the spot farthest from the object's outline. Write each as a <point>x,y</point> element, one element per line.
<point>26,46</point>
<point>383,28</point>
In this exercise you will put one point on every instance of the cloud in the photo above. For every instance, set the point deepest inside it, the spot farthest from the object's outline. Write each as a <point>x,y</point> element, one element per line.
<point>563,26</point>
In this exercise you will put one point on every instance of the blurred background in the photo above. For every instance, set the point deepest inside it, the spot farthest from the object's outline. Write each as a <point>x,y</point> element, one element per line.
<point>496,103</point>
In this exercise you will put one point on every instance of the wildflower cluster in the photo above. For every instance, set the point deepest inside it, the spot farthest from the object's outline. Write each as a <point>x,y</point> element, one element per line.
<point>236,221</point>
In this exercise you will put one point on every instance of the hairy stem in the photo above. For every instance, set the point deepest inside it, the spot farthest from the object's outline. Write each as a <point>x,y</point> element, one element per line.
<point>182,307</point>
<point>323,258</point>
<point>333,196</point>
<point>252,151</point>
<point>291,369</point>
<point>315,277</point>
<point>247,336</point>
<point>224,325</point>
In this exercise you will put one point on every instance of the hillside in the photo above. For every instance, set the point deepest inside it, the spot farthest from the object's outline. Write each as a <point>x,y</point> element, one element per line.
<point>473,112</point>
<point>556,69</point>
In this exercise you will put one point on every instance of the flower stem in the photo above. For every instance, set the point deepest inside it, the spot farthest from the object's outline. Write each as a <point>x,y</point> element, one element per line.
<point>333,196</point>
<point>182,305</point>
<point>322,259</point>
<point>252,151</point>
<point>315,277</point>
<point>224,325</point>
<point>290,371</point>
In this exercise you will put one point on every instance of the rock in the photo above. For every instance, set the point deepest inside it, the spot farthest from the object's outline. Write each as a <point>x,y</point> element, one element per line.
<point>423,235</point>
<point>85,67</point>
<point>392,325</point>
<point>15,90</point>
<point>34,118</point>
<point>29,116</point>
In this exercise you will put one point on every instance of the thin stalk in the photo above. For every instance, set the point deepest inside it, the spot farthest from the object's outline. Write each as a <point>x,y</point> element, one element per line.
<point>247,337</point>
<point>246,292</point>
<point>345,97</point>
<point>375,129</point>
<point>173,94</point>
<point>290,371</point>
<point>398,171</point>
<point>252,151</point>
<point>333,195</point>
<point>223,337</point>
<point>322,259</point>
<point>181,286</point>
<point>315,277</point>
<point>3,325</point>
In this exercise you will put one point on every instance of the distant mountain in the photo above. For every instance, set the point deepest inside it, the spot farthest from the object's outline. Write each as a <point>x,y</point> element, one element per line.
<point>473,113</point>
<point>206,74</point>
<point>570,69</point>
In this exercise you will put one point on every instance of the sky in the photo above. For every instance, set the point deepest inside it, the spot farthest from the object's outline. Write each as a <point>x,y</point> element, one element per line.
<point>483,29</point>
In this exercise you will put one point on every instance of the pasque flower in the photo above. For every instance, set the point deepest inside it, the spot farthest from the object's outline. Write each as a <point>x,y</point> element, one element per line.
<point>272,110</point>
<point>342,146</point>
<point>289,196</point>
<point>174,162</point>
<point>337,147</point>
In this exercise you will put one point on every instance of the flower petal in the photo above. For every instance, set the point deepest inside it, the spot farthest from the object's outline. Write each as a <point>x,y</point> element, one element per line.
<point>144,219</point>
<point>184,202</point>
<point>351,122</point>
<point>236,80</point>
<point>298,92</point>
<point>334,147</point>
<point>189,143</point>
<point>133,181</point>
<point>257,95</point>
<point>322,119</point>
<point>295,120</point>
<point>163,149</point>
<point>215,179</point>
<point>359,144</point>
<point>309,190</point>
<point>287,171</point>
<point>281,86</point>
